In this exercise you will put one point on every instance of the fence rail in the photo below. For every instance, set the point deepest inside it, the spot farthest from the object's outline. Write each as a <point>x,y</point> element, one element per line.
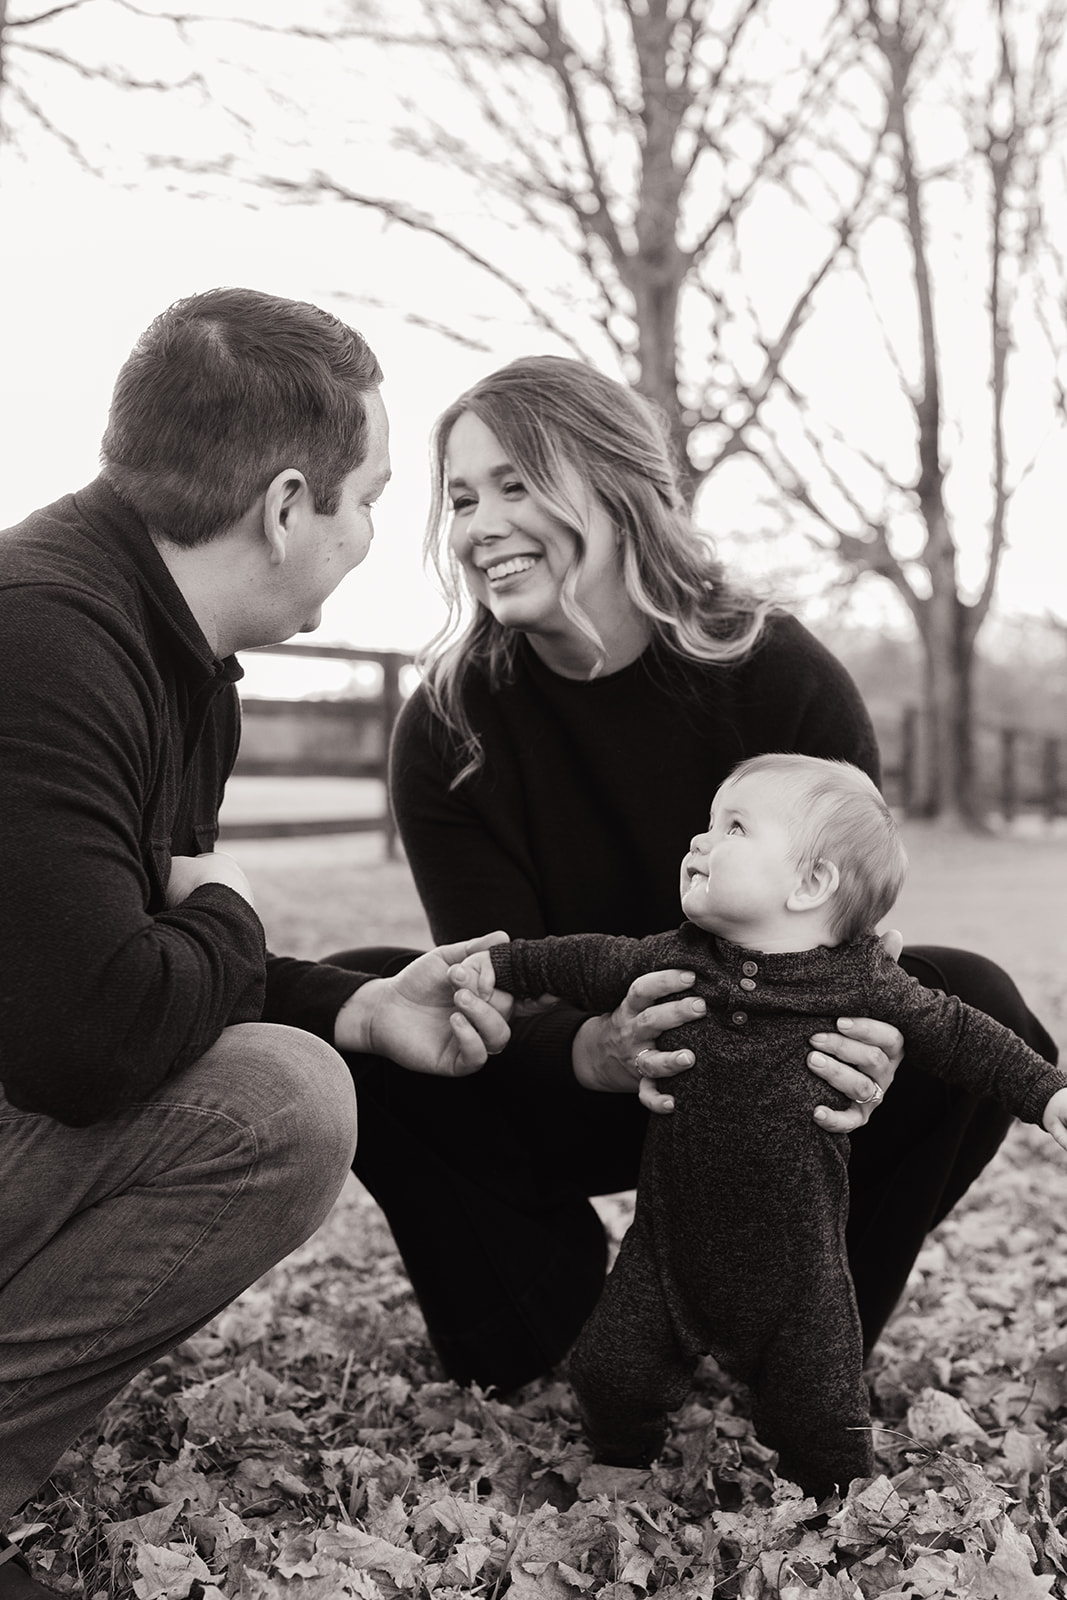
<point>319,738</point>
<point>1018,770</point>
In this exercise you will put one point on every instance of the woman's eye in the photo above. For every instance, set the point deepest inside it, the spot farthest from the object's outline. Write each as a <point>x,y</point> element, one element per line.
<point>462,502</point>
<point>514,489</point>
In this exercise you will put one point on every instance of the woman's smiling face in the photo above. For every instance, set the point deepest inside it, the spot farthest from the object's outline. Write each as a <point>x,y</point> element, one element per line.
<point>515,555</point>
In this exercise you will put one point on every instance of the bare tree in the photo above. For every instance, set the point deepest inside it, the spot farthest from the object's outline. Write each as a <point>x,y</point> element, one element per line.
<point>720,185</point>
<point>632,141</point>
<point>47,50</point>
<point>972,326</point>
<point>663,148</point>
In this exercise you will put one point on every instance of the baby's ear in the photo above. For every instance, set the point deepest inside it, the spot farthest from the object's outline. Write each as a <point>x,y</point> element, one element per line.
<point>817,884</point>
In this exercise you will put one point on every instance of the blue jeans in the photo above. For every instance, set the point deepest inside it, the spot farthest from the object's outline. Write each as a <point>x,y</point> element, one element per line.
<point>119,1240</point>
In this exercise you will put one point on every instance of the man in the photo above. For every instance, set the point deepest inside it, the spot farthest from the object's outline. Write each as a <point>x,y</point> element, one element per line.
<point>175,1117</point>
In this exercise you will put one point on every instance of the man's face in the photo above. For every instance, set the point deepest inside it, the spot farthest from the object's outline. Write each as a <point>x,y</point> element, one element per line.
<point>331,547</point>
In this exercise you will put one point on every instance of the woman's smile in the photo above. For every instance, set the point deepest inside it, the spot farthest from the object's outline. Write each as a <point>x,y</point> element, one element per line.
<point>499,572</point>
<point>527,566</point>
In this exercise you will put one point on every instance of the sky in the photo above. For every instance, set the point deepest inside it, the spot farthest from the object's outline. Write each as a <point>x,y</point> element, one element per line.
<point>86,263</point>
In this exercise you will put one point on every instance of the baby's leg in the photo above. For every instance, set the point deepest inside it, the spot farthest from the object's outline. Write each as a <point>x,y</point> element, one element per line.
<point>627,1367</point>
<point>809,1400</point>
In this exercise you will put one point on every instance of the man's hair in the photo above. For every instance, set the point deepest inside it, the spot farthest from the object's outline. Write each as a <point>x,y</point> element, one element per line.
<point>221,393</point>
<point>835,813</point>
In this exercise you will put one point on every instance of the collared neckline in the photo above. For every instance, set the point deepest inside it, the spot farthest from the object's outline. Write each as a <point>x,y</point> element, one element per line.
<point>121,533</point>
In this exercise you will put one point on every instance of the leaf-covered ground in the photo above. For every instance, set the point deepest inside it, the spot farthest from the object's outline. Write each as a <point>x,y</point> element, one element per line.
<point>304,1444</point>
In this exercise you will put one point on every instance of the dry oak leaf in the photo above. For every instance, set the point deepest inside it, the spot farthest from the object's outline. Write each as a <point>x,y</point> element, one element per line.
<point>938,1418</point>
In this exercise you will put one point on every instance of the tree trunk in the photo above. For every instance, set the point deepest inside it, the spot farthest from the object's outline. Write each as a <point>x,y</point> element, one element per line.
<point>947,788</point>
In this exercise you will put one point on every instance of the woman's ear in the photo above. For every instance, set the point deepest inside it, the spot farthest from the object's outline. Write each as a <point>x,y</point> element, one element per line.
<point>817,884</point>
<point>285,493</point>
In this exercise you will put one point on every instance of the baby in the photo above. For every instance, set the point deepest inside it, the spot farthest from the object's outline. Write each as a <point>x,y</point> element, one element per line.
<point>737,1248</point>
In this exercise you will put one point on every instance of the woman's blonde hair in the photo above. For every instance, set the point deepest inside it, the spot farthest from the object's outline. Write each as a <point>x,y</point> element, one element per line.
<point>576,439</point>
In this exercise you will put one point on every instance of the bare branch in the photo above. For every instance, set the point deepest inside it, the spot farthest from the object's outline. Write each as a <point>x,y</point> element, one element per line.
<point>318,183</point>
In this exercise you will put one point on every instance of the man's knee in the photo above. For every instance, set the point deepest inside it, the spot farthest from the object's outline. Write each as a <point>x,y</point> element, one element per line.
<point>292,1095</point>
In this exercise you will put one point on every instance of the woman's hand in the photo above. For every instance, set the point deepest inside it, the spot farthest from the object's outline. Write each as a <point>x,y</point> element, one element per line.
<point>861,1060</point>
<point>617,1052</point>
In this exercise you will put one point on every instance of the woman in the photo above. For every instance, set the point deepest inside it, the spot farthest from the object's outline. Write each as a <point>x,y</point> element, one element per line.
<point>562,749</point>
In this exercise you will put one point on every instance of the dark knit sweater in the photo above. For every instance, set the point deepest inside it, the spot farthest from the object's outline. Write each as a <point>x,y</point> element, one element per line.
<point>742,1197</point>
<point>590,791</point>
<point>118,729</point>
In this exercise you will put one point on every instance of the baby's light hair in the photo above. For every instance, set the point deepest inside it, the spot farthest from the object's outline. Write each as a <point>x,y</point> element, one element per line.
<point>835,813</point>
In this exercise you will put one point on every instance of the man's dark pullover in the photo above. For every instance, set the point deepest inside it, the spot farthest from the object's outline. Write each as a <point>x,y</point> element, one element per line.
<point>737,1248</point>
<point>118,729</point>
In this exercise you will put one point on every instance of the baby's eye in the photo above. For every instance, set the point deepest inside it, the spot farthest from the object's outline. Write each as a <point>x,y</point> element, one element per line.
<point>735,827</point>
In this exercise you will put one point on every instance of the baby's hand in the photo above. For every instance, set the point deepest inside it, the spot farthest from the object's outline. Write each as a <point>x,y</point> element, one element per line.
<point>1055,1117</point>
<point>475,972</point>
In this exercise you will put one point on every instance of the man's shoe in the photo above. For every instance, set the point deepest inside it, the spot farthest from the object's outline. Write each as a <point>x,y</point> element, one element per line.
<point>16,1580</point>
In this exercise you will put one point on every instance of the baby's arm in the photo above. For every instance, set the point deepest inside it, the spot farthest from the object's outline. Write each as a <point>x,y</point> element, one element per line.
<point>963,1045</point>
<point>591,970</point>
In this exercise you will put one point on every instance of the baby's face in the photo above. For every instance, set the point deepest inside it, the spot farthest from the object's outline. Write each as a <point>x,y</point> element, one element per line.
<point>737,876</point>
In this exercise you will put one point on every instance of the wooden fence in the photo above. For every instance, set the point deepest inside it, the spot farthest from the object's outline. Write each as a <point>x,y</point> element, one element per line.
<point>1019,770</point>
<point>345,738</point>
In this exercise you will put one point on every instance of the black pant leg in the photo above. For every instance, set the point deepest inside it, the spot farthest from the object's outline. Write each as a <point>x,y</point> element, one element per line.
<point>927,1143</point>
<point>628,1368</point>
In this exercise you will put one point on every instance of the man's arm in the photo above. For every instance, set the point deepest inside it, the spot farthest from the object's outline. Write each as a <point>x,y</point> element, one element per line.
<point>105,989</point>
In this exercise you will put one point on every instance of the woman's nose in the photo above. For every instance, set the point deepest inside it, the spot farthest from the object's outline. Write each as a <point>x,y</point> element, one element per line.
<point>485,524</point>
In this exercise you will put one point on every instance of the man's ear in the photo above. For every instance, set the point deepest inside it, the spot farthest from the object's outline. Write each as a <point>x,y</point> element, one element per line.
<point>286,495</point>
<point>815,885</point>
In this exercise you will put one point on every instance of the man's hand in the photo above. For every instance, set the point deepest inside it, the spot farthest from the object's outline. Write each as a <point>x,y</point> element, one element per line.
<point>189,872</point>
<point>861,1060</point>
<point>421,1022</point>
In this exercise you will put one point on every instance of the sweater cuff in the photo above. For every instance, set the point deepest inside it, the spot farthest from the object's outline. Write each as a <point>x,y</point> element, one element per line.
<point>308,994</point>
<point>1039,1093</point>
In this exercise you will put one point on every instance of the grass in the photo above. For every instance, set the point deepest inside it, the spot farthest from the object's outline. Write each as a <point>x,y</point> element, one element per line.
<point>303,1445</point>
